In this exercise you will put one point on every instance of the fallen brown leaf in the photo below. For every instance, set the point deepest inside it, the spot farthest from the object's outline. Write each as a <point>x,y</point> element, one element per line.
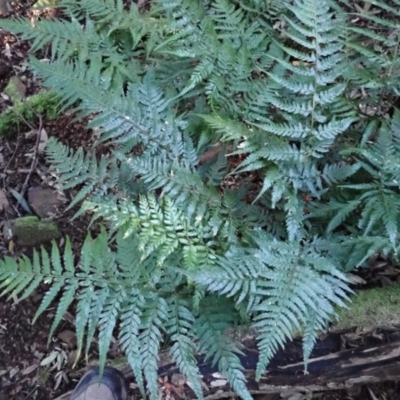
<point>30,369</point>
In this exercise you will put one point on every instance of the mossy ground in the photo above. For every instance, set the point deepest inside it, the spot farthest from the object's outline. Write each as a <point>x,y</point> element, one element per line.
<point>372,308</point>
<point>30,231</point>
<point>44,103</point>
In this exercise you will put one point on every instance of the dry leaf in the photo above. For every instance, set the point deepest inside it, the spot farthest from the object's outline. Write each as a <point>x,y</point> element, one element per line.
<point>218,383</point>
<point>16,390</point>
<point>44,138</point>
<point>7,51</point>
<point>49,359</point>
<point>61,359</point>
<point>30,369</point>
<point>58,377</point>
<point>356,279</point>
<point>179,391</point>
<point>14,372</point>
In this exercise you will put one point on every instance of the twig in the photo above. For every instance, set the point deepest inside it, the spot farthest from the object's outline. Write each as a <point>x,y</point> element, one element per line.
<point>10,160</point>
<point>28,395</point>
<point>35,153</point>
<point>35,157</point>
<point>64,396</point>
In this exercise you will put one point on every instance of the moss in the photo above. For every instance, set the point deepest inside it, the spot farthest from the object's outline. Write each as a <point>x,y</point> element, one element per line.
<point>371,308</point>
<point>45,103</point>
<point>30,231</point>
<point>43,376</point>
<point>15,89</point>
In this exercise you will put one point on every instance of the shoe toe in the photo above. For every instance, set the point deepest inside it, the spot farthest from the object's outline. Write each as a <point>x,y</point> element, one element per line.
<point>112,386</point>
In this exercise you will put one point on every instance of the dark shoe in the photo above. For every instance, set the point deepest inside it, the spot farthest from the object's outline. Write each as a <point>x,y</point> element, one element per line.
<point>112,386</point>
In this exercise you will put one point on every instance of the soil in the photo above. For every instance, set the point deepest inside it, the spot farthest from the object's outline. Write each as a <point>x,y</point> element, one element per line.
<point>23,345</point>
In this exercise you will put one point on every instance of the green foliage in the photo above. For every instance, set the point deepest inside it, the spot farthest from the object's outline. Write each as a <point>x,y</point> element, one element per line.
<point>240,176</point>
<point>375,47</point>
<point>370,201</point>
<point>45,103</point>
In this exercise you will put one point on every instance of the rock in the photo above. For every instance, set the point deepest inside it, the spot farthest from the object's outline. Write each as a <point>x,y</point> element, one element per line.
<point>178,379</point>
<point>15,89</point>
<point>45,202</point>
<point>30,231</point>
<point>5,8</point>
<point>68,337</point>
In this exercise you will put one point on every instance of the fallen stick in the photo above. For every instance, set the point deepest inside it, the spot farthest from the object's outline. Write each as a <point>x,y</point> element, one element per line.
<point>334,371</point>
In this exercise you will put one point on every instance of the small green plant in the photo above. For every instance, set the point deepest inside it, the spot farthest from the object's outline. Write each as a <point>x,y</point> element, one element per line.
<point>189,249</point>
<point>45,103</point>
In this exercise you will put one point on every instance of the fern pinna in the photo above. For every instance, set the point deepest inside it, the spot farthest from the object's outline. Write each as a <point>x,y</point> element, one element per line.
<point>184,254</point>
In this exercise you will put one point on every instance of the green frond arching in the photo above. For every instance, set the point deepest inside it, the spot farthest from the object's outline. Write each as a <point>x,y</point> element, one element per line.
<point>71,40</point>
<point>209,328</point>
<point>313,274</point>
<point>314,324</point>
<point>154,317</point>
<point>22,277</point>
<point>66,38</point>
<point>119,115</point>
<point>274,280</point>
<point>162,230</point>
<point>128,298</point>
<point>76,168</point>
<point>299,129</point>
<point>377,203</point>
<point>113,15</point>
<point>376,47</point>
<point>179,328</point>
<point>129,334</point>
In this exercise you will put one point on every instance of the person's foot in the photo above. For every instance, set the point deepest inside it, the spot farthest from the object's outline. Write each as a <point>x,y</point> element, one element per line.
<point>112,386</point>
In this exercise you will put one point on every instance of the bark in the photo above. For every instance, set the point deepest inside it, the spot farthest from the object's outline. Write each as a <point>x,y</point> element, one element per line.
<point>339,370</point>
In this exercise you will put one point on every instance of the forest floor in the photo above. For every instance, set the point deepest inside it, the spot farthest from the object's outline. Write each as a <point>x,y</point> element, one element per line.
<point>31,366</point>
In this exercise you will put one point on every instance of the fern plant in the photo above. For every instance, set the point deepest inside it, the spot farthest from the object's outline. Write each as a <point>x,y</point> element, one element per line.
<point>188,250</point>
<point>373,50</point>
<point>369,199</point>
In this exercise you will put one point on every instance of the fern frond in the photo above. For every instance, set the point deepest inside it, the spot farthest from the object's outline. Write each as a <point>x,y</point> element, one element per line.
<point>66,38</point>
<point>294,284</point>
<point>129,334</point>
<point>74,168</point>
<point>23,275</point>
<point>70,289</point>
<point>183,350</point>
<point>313,326</point>
<point>108,320</point>
<point>263,279</point>
<point>116,116</point>
<point>209,328</point>
<point>154,315</point>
